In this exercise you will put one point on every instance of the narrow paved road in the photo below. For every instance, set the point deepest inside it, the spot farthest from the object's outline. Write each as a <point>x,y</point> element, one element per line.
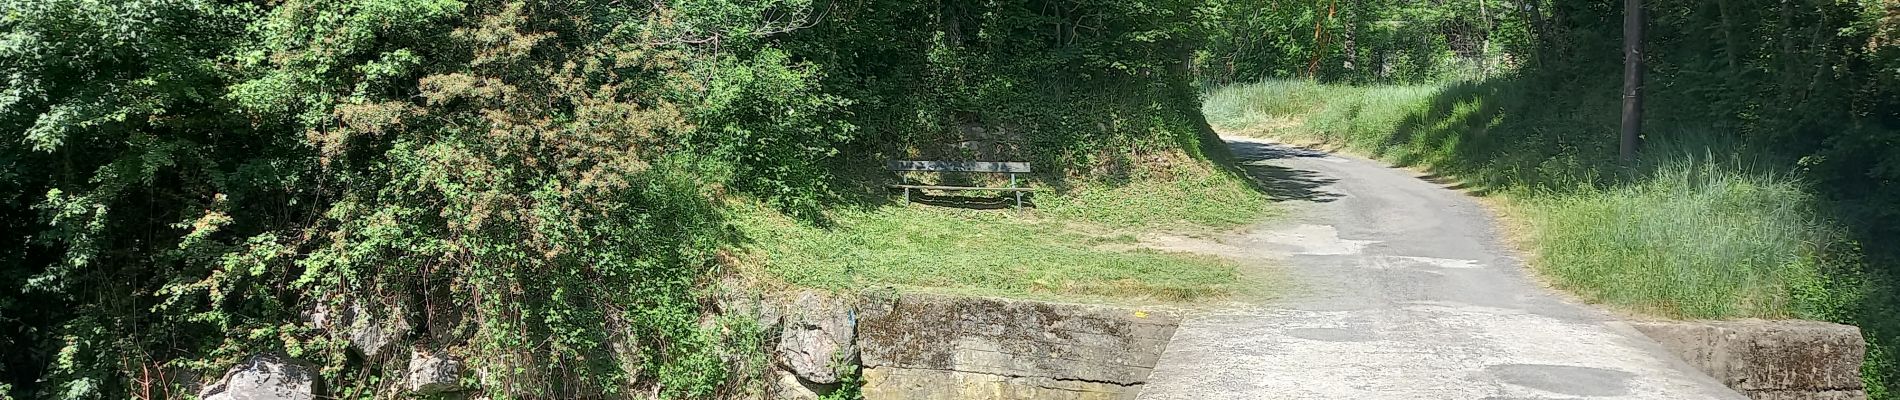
<point>1401,290</point>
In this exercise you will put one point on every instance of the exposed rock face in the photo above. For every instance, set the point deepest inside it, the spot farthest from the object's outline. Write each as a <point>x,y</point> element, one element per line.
<point>733,296</point>
<point>266,376</point>
<point>317,317</point>
<point>818,338</point>
<point>922,346</point>
<point>786,386</point>
<point>434,373</point>
<point>1778,360</point>
<point>374,334</point>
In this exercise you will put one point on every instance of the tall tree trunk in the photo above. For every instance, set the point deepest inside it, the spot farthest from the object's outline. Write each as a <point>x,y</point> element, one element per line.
<point>1632,79</point>
<point>1539,28</point>
<point>1733,45</point>
<point>1484,45</point>
<point>1351,43</point>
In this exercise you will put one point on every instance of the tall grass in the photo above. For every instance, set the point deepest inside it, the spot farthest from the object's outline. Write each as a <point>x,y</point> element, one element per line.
<point>1260,105</point>
<point>1694,240</point>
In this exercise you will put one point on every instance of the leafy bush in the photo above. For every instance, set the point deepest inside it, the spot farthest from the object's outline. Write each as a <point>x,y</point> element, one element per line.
<point>1083,94</point>
<point>203,172</point>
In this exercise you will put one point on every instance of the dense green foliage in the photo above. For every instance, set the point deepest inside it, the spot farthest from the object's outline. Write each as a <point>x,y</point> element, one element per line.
<point>540,184</point>
<point>1362,41</point>
<point>1077,86</point>
<point>199,173</point>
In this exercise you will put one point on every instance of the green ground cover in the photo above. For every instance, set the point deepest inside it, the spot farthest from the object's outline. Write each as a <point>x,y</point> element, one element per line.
<point>1072,246</point>
<point>1701,228</point>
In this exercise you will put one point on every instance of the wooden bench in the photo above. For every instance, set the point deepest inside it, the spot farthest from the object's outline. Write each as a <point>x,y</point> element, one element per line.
<point>1011,168</point>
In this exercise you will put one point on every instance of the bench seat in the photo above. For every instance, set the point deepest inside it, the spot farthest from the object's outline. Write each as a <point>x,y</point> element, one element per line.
<point>984,167</point>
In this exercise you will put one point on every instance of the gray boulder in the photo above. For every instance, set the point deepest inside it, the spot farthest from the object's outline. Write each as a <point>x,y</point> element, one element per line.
<point>375,334</point>
<point>734,296</point>
<point>317,317</point>
<point>786,386</point>
<point>818,337</point>
<point>266,376</point>
<point>431,373</point>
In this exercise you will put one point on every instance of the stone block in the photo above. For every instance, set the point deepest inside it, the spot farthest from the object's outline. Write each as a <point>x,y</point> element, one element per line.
<point>434,373</point>
<point>818,338</point>
<point>1781,360</point>
<point>930,384</point>
<point>986,348</point>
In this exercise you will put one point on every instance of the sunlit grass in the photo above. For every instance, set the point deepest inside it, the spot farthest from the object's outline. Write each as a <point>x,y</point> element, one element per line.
<point>1692,241</point>
<point>1183,198</point>
<point>1073,246</point>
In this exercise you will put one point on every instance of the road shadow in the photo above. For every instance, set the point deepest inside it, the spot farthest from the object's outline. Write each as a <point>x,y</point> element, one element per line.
<point>1449,183</point>
<point>1282,183</point>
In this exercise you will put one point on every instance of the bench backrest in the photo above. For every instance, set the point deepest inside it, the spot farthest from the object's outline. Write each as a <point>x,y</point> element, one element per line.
<point>958,166</point>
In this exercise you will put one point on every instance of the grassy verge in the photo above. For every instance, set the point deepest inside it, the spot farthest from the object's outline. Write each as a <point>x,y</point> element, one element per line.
<point>1699,230</point>
<point>1691,241</point>
<point>1073,247</point>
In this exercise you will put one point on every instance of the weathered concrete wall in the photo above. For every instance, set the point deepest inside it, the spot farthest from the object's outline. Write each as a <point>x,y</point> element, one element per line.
<point>920,346</point>
<point>1770,360</point>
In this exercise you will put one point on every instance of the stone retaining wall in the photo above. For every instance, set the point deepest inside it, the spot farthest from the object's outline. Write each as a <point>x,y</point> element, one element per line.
<point>1770,360</point>
<point>920,346</point>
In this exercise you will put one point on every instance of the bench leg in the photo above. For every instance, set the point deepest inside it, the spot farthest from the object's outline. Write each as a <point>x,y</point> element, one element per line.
<point>1019,193</point>
<point>906,180</point>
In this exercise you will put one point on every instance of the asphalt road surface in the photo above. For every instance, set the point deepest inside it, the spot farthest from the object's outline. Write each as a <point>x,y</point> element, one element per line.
<point>1400,289</point>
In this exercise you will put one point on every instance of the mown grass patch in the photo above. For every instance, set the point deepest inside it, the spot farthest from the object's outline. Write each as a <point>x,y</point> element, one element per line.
<point>979,252</point>
<point>1073,246</point>
<point>1193,198</point>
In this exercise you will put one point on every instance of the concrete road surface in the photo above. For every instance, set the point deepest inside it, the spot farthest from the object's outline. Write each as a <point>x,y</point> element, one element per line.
<point>1401,290</point>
